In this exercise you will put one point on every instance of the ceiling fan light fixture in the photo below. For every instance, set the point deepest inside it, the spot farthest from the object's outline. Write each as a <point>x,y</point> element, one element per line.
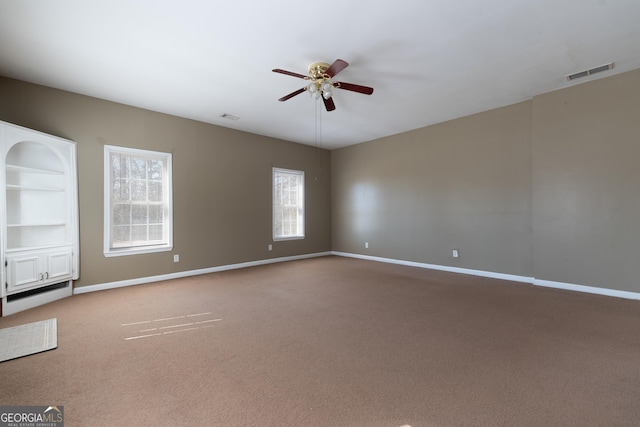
<point>321,82</point>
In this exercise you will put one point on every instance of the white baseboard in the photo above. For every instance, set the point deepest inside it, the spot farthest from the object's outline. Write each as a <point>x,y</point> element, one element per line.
<point>588,289</point>
<point>481,273</point>
<point>180,274</point>
<point>510,277</point>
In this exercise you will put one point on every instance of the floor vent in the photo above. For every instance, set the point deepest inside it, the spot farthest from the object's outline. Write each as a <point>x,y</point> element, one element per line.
<point>589,72</point>
<point>32,292</point>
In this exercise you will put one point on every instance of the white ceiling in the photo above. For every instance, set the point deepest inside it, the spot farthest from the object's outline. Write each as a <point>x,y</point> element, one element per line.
<point>428,60</point>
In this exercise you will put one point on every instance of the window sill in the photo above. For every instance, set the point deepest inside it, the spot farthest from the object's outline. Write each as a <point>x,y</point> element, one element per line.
<point>137,251</point>
<point>280,239</point>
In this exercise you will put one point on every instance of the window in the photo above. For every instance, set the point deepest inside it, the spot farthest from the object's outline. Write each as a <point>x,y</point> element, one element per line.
<point>137,200</point>
<point>288,204</point>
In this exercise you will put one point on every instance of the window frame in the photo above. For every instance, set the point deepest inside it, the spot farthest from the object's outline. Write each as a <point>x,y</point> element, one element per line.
<point>167,192</point>
<point>301,206</point>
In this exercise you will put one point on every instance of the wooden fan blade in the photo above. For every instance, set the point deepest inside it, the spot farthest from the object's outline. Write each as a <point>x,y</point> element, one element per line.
<point>289,73</point>
<point>354,88</point>
<point>328,104</point>
<point>337,66</point>
<point>292,94</point>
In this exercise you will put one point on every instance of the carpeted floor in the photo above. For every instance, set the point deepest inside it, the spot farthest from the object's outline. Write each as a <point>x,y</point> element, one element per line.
<point>334,342</point>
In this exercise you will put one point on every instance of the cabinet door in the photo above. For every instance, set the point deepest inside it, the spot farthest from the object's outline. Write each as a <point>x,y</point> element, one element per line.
<point>29,270</point>
<point>58,266</point>
<point>23,272</point>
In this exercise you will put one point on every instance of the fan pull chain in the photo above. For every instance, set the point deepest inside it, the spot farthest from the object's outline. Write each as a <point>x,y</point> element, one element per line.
<point>318,136</point>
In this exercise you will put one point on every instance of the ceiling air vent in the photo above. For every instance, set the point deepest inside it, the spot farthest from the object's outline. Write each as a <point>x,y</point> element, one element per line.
<point>586,73</point>
<point>229,116</point>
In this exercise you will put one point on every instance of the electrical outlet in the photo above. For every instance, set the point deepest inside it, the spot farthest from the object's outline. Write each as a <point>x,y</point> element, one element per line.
<point>176,258</point>
<point>270,247</point>
<point>366,245</point>
<point>455,253</point>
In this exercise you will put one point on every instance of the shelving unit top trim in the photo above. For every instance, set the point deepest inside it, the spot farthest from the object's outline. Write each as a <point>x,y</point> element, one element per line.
<point>29,133</point>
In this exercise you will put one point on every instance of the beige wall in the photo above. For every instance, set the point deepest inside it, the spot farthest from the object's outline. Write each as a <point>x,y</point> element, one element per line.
<point>586,184</point>
<point>463,184</point>
<point>221,182</point>
<point>548,188</point>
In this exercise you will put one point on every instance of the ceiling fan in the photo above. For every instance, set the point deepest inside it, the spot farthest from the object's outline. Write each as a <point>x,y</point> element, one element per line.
<point>322,84</point>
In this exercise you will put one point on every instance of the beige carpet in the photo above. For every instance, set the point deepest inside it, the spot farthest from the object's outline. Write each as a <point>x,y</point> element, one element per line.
<point>335,342</point>
<point>25,340</point>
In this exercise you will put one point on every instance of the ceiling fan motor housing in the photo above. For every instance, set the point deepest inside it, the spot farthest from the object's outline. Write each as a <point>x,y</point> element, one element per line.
<point>318,70</point>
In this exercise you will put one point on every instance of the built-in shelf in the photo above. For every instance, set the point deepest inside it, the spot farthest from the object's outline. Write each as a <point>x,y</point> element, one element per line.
<point>52,224</point>
<point>39,223</point>
<point>34,248</point>
<point>12,187</point>
<point>25,169</point>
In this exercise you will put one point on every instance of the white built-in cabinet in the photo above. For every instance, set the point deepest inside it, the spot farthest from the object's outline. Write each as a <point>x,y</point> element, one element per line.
<point>39,217</point>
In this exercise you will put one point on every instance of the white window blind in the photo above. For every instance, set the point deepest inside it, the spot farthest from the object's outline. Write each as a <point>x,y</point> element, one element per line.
<point>138,209</point>
<point>288,204</point>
